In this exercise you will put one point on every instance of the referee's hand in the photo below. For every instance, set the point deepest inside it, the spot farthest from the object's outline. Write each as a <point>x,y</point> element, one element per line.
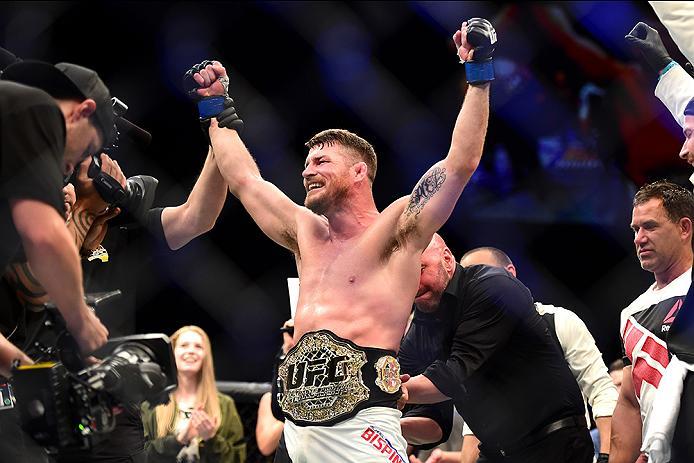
<point>402,401</point>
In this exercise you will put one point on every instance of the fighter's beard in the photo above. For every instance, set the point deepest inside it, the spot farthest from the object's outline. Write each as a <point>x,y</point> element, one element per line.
<point>327,201</point>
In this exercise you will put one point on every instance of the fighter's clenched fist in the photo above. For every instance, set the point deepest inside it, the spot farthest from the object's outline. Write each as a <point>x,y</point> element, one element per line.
<point>476,41</point>
<point>208,84</point>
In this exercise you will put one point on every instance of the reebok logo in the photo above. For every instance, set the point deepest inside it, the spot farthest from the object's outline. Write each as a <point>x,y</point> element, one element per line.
<point>670,317</point>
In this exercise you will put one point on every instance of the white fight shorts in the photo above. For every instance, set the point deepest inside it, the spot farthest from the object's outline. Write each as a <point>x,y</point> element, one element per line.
<point>373,435</point>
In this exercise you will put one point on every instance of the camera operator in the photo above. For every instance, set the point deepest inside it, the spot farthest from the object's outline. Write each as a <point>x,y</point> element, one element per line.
<point>51,117</point>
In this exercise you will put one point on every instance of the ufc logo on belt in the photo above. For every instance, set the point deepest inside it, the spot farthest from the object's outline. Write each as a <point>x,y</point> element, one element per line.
<point>317,372</point>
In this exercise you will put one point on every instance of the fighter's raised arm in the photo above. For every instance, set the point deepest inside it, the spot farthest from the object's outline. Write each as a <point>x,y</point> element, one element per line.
<point>199,213</point>
<point>436,193</point>
<point>271,209</point>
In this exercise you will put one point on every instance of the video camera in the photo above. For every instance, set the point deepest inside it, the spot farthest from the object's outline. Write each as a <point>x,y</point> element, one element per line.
<point>62,403</point>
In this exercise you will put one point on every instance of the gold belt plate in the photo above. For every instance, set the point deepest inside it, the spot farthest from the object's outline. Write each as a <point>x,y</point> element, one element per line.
<point>321,379</point>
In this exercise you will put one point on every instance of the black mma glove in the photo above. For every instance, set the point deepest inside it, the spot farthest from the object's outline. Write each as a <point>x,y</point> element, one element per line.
<point>189,84</point>
<point>650,47</point>
<point>228,117</point>
<point>603,458</point>
<point>218,106</point>
<point>482,36</point>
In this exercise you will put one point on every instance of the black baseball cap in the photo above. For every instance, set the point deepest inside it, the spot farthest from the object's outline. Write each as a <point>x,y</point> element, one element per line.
<point>67,80</point>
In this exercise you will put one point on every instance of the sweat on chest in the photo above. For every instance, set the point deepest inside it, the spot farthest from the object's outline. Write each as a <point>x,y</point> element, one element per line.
<point>331,268</point>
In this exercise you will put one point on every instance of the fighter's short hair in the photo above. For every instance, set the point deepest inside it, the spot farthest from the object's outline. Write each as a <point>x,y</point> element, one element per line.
<point>362,148</point>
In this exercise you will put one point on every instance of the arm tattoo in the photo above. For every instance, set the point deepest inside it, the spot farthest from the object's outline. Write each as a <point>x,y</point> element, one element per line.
<point>29,291</point>
<point>425,190</point>
<point>28,275</point>
<point>80,225</point>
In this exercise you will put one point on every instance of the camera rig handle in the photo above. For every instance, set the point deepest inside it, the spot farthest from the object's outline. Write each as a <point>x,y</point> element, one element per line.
<point>96,299</point>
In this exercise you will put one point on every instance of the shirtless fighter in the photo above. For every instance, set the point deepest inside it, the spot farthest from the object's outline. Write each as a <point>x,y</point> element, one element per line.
<point>359,268</point>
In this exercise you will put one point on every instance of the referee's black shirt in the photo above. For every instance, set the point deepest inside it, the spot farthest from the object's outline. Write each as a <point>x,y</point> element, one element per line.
<point>506,374</point>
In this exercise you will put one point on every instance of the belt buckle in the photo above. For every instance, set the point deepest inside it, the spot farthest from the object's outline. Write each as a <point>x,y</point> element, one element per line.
<point>388,374</point>
<point>321,379</point>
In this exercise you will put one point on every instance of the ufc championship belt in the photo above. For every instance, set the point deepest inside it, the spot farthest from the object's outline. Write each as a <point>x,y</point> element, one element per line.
<point>325,379</point>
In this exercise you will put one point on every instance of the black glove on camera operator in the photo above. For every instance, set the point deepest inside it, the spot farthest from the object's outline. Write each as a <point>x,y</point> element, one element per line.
<point>213,100</point>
